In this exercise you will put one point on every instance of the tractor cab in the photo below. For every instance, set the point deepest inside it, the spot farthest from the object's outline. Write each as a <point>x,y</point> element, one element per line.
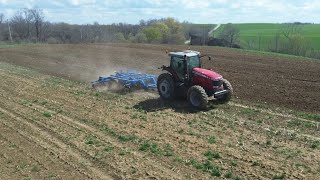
<point>183,62</point>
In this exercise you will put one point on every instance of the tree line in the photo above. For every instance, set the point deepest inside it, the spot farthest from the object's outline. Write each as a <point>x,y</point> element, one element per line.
<point>30,25</point>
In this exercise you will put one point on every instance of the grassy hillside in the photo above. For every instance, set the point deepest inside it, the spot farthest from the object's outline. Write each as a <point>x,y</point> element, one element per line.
<point>267,31</point>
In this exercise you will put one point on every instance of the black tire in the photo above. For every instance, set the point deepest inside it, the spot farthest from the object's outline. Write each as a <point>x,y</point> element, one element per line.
<point>95,86</point>
<point>197,97</point>
<point>165,85</point>
<point>125,90</point>
<point>226,86</point>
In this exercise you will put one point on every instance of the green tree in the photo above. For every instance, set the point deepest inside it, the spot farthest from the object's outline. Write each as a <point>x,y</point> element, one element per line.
<point>298,45</point>
<point>164,29</point>
<point>140,38</point>
<point>175,35</point>
<point>153,34</point>
<point>173,25</point>
<point>177,38</point>
<point>119,37</point>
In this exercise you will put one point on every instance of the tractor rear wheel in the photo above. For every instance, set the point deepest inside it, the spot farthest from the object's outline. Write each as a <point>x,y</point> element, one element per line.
<point>198,97</point>
<point>226,86</point>
<point>165,85</point>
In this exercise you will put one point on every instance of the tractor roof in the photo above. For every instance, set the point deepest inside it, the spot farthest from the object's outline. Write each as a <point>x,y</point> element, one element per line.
<point>187,53</point>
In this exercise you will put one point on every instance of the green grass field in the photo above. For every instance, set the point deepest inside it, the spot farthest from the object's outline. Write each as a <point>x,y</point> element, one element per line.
<point>252,31</point>
<point>12,45</point>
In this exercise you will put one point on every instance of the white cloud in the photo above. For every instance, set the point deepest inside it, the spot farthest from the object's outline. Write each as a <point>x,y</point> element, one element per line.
<point>81,2</point>
<point>191,4</point>
<point>222,1</point>
<point>197,11</point>
<point>9,12</point>
<point>4,1</point>
<point>57,3</point>
<point>313,5</point>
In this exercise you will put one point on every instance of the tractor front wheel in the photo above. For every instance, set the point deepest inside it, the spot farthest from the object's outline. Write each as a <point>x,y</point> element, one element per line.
<point>198,97</point>
<point>226,86</point>
<point>165,85</point>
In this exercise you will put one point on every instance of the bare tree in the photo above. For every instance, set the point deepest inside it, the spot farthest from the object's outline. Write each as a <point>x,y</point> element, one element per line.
<point>45,30</point>
<point>18,25</point>
<point>10,34</point>
<point>296,43</point>
<point>230,34</point>
<point>81,33</point>
<point>38,19</point>
<point>28,20</point>
<point>250,44</point>
<point>291,29</point>
<point>277,41</point>
<point>259,40</point>
<point>1,18</point>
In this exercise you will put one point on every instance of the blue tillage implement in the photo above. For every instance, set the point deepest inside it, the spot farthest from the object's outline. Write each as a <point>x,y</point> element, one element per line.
<point>130,79</point>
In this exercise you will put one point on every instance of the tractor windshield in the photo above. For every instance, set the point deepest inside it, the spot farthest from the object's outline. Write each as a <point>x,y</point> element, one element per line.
<point>178,65</point>
<point>193,62</point>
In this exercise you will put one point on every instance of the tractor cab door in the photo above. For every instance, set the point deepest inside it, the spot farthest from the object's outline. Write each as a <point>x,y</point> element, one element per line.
<point>193,62</point>
<point>177,64</point>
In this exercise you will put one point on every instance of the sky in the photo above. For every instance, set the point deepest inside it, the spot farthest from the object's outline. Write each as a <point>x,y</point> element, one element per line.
<point>195,11</point>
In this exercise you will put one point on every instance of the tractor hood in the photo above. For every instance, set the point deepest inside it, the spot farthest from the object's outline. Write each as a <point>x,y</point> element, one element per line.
<point>207,73</point>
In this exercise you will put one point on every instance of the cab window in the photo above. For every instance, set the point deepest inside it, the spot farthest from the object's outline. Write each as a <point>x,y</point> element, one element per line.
<point>178,66</point>
<point>194,62</point>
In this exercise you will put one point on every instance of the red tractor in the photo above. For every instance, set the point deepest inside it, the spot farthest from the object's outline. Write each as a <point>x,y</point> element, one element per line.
<point>186,78</point>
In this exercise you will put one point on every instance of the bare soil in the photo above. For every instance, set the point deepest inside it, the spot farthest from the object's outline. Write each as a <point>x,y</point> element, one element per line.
<point>288,82</point>
<point>53,128</point>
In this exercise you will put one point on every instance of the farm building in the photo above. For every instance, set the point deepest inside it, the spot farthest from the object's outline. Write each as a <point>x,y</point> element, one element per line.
<point>199,35</point>
<point>204,36</point>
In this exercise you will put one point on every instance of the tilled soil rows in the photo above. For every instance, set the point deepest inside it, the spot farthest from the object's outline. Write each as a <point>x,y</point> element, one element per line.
<point>288,82</point>
<point>61,129</point>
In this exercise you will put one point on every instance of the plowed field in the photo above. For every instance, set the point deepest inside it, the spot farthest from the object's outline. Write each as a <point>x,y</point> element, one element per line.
<point>283,81</point>
<point>52,127</point>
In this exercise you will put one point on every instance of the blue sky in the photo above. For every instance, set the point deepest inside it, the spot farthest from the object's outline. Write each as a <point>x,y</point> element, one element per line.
<point>200,11</point>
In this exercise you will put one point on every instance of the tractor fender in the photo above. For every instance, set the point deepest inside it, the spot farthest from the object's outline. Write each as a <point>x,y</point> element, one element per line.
<point>172,72</point>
